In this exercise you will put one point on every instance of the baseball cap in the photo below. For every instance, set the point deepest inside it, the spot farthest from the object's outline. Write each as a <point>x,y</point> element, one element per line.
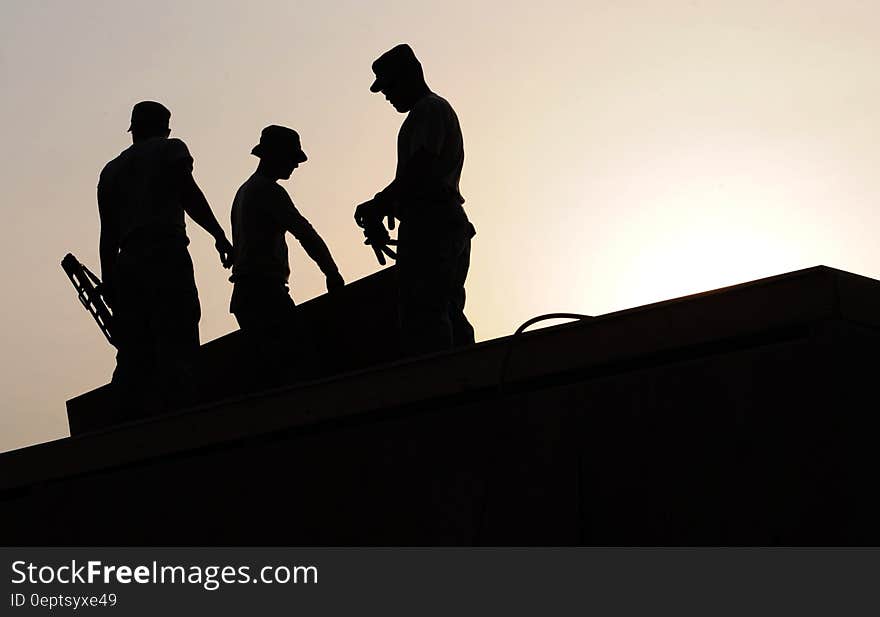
<point>149,114</point>
<point>394,63</point>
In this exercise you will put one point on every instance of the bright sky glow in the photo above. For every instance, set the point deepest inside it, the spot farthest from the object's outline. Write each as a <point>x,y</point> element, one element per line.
<point>617,153</point>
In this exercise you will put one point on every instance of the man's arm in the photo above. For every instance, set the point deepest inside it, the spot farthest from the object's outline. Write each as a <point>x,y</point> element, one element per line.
<point>314,246</point>
<point>197,207</point>
<point>418,172</point>
<point>419,169</point>
<point>108,245</point>
<point>193,200</point>
<point>195,204</point>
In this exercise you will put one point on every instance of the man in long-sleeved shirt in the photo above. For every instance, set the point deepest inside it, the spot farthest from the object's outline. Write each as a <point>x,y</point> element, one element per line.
<point>262,213</point>
<point>434,241</point>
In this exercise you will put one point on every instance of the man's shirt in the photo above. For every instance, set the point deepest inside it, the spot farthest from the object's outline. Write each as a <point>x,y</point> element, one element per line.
<point>262,212</point>
<point>139,188</point>
<point>432,125</point>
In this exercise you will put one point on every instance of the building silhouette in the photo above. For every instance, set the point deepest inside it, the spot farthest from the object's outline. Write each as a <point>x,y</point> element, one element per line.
<point>740,416</point>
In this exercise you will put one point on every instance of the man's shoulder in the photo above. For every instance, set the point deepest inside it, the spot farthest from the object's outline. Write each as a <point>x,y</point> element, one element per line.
<point>433,103</point>
<point>114,164</point>
<point>432,109</point>
<point>174,143</point>
<point>168,149</point>
<point>258,188</point>
<point>174,150</point>
<point>257,182</point>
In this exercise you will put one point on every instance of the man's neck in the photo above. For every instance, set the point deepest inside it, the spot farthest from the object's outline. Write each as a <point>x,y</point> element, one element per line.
<point>266,171</point>
<point>420,93</point>
<point>136,139</point>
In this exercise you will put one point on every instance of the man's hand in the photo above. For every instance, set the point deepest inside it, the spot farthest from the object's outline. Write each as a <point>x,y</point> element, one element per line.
<point>224,248</point>
<point>368,215</point>
<point>367,212</point>
<point>334,282</point>
<point>377,237</point>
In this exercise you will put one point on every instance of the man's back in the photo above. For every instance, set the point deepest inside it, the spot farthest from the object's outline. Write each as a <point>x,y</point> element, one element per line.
<point>140,186</point>
<point>259,245</point>
<point>433,126</point>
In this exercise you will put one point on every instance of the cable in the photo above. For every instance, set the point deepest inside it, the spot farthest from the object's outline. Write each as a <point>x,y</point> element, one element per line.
<point>481,522</point>
<point>516,335</point>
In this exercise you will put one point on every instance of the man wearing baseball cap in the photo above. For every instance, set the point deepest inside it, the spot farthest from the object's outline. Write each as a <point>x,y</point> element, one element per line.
<point>262,213</point>
<point>145,264</point>
<point>434,240</point>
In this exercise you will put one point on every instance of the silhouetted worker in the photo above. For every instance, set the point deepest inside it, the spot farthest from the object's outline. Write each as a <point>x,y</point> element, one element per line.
<point>434,240</point>
<point>262,213</point>
<point>145,264</point>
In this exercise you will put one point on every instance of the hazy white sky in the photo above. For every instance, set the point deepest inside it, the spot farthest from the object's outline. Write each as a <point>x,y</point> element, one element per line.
<point>617,152</point>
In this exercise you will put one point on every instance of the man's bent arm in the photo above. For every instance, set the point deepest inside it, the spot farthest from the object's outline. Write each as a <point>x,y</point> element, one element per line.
<point>418,172</point>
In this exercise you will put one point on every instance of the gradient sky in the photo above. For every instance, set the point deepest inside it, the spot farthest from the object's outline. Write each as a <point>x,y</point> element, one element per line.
<point>617,152</point>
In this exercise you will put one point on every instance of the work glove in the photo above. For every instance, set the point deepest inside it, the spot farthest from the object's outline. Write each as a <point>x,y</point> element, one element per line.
<point>377,237</point>
<point>368,215</point>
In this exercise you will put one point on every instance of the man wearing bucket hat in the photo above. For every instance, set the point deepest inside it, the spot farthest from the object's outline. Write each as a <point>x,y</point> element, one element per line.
<point>145,264</point>
<point>262,213</point>
<point>434,240</point>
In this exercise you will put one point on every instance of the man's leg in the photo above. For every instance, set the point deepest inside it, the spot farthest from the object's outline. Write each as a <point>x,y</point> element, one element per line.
<point>424,318</point>
<point>133,383</point>
<point>431,261</point>
<point>462,330</point>
<point>175,328</point>
<point>266,314</point>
